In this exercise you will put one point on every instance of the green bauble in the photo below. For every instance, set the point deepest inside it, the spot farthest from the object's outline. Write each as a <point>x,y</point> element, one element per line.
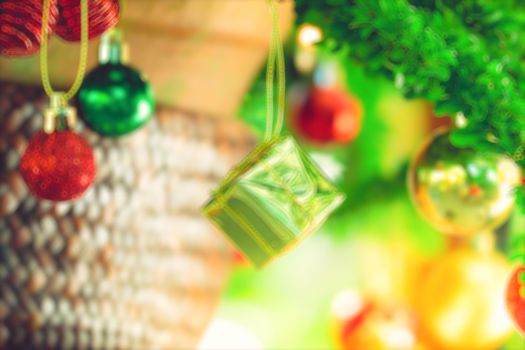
<point>115,100</point>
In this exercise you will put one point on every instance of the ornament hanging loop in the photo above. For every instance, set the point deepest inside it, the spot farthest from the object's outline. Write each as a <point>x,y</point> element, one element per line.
<point>112,48</point>
<point>84,38</point>
<point>275,66</point>
<point>59,115</point>
<point>57,100</point>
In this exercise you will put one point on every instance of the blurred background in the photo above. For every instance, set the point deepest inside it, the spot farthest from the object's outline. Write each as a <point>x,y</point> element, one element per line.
<point>133,263</point>
<point>358,283</point>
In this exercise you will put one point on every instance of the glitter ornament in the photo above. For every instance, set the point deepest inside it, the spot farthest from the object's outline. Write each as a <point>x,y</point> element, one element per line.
<point>461,191</point>
<point>114,98</point>
<point>515,298</point>
<point>58,165</point>
<point>21,26</point>
<point>328,115</point>
<point>103,15</point>
<point>460,301</point>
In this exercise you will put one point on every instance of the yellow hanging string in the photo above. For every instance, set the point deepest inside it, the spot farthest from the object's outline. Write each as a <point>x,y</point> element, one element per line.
<point>46,83</point>
<point>275,64</point>
<point>122,8</point>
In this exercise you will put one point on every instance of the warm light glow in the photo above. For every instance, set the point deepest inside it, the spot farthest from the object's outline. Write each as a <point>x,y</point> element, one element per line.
<point>398,336</point>
<point>347,304</point>
<point>226,335</point>
<point>309,35</point>
<point>329,165</point>
<point>448,177</point>
<point>461,120</point>
<point>305,57</point>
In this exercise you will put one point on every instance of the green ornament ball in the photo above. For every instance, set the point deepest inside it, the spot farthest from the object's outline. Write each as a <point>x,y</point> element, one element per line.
<point>115,100</point>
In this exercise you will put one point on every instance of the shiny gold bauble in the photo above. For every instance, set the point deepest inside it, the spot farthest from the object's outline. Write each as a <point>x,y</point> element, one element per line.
<point>461,301</point>
<point>462,191</point>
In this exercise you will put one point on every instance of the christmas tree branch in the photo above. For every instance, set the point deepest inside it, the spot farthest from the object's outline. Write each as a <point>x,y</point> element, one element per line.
<point>498,23</point>
<point>437,53</point>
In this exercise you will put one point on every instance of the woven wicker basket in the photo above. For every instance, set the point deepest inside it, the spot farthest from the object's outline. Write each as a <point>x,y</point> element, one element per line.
<point>131,265</point>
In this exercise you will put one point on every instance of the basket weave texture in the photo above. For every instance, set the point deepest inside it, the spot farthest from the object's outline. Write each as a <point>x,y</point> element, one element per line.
<point>132,264</point>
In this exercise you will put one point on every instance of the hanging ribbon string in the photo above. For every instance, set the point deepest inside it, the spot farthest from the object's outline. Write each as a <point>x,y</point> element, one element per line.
<point>46,83</point>
<point>122,9</point>
<point>275,64</point>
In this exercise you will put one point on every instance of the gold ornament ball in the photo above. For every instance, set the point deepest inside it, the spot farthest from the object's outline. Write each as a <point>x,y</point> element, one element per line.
<point>459,190</point>
<point>461,301</point>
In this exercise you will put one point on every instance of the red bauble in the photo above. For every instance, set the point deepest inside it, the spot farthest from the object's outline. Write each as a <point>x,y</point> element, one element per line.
<point>328,115</point>
<point>59,166</point>
<point>103,14</point>
<point>21,26</point>
<point>516,297</point>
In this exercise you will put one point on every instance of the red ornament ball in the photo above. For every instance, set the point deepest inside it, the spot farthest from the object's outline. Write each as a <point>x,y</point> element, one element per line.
<point>328,115</point>
<point>102,15</point>
<point>21,26</point>
<point>516,297</point>
<point>59,166</point>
